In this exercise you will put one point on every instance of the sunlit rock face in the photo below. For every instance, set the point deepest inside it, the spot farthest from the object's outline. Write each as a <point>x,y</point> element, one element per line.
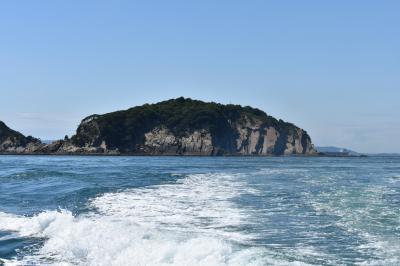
<point>188,127</point>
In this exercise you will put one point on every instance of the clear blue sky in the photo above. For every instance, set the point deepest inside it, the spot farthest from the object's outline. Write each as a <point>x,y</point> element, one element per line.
<point>331,67</point>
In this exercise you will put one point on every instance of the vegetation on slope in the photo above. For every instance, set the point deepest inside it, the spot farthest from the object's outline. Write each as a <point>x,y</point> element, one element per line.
<point>17,138</point>
<point>125,129</point>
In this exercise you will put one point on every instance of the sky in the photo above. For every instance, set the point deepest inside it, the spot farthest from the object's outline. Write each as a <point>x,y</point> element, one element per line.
<point>330,67</point>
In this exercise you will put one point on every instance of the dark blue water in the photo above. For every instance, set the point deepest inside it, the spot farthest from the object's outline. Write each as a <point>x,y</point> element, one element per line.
<point>199,211</point>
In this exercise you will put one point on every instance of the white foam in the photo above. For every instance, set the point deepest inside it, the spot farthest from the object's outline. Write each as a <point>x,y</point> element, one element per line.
<point>33,226</point>
<point>192,222</point>
<point>199,203</point>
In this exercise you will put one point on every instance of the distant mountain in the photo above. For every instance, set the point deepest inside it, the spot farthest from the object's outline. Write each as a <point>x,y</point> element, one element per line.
<point>332,149</point>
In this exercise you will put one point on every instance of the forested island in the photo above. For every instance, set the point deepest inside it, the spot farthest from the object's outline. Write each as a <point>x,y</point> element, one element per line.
<point>179,126</point>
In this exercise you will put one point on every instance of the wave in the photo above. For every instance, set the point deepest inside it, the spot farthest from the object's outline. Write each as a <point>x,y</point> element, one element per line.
<point>192,222</point>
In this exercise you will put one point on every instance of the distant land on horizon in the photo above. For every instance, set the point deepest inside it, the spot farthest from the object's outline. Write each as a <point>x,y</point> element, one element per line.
<point>333,149</point>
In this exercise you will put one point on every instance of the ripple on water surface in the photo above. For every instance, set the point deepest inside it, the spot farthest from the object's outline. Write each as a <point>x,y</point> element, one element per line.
<point>199,211</point>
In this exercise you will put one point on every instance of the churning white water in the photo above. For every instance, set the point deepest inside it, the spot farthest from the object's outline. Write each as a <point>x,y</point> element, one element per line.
<point>192,222</point>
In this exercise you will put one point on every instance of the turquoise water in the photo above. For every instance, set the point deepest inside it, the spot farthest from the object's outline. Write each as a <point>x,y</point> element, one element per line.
<point>199,211</point>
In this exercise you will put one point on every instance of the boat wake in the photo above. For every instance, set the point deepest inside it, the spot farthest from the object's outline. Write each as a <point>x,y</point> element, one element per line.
<point>194,221</point>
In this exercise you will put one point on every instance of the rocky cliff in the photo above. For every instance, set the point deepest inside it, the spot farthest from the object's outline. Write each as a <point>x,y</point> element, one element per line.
<point>187,127</point>
<point>12,141</point>
<point>178,127</point>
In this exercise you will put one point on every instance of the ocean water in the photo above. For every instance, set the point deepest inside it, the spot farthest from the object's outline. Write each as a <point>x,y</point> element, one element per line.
<point>57,210</point>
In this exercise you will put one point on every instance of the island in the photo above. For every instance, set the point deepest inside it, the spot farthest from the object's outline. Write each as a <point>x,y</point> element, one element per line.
<point>180,126</point>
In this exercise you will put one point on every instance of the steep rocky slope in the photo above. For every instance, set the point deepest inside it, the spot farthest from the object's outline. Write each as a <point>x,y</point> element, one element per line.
<point>12,141</point>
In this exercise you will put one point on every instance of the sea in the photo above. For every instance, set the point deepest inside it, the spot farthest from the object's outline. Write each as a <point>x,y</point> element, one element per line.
<point>101,210</point>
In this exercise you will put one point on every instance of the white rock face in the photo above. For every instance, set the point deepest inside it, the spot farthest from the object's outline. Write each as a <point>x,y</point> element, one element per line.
<point>69,148</point>
<point>10,145</point>
<point>163,141</point>
<point>270,137</point>
<point>248,140</point>
<point>256,139</point>
<point>160,140</point>
<point>252,138</point>
<point>198,142</point>
<point>295,145</point>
